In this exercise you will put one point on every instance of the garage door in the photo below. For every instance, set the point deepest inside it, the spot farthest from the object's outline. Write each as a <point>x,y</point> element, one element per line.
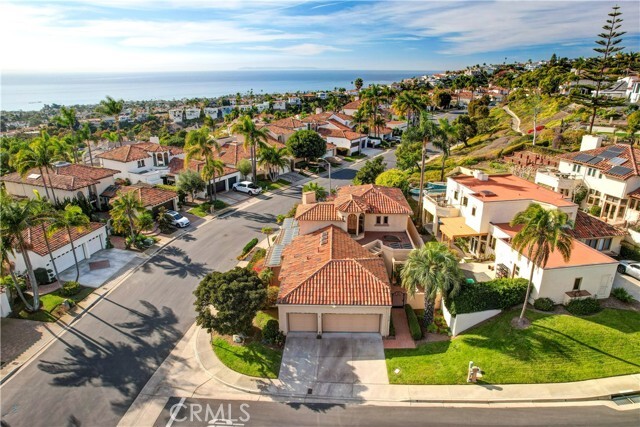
<point>232,181</point>
<point>65,260</point>
<point>303,322</point>
<point>350,323</point>
<point>220,186</point>
<point>94,245</point>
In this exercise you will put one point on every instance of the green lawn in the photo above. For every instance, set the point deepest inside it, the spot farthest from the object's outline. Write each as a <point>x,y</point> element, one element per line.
<point>253,359</point>
<point>271,186</point>
<point>48,304</point>
<point>203,209</point>
<point>555,348</point>
<point>353,157</point>
<point>264,316</point>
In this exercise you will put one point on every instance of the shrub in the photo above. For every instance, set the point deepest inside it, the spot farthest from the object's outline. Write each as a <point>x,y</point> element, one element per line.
<point>42,276</point>
<point>69,289</point>
<point>414,325</point>
<point>219,204</point>
<point>271,333</point>
<point>628,251</point>
<point>543,304</point>
<point>498,294</point>
<point>622,295</point>
<point>272,296</point>
<point>595,210</point>
<point>583,307</point>
<point>252,243</point>
<point>257,256</point>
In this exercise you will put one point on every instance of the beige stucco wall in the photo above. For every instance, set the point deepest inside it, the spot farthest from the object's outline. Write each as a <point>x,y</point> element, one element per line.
<point>284,309</point>
<point>397,222</point>
<point>596,279</point>
<point>26,190</point>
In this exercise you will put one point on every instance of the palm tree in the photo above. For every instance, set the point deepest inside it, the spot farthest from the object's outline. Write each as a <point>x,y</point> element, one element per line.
<point>68,119</point>
<point>84,134</point>
<point>212,168</point>
<point>427,131</point>
<point>111,107</point>
<point>44,213</point>
<point>372,97</point>
<point>448,137</point>
<point>435,268</point>
<point>7,252</point>
<point>125,208</point>
<point>114,137</point>
<point>254,139</point>
<point>543,232</point>
<point>407,104</point>
<point>39,154</point>
<point>71,218</point>
<point>17,217</point>
<point>273,159</point>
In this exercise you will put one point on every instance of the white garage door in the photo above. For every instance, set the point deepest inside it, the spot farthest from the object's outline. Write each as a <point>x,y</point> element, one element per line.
<point>350,323</point>
<point>303,322</point>
<point>65,260</point>
<point>94,245</point>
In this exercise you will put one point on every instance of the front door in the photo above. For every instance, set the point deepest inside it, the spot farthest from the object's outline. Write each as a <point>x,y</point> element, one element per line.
<point>398,299</point>
<point>352,224</point>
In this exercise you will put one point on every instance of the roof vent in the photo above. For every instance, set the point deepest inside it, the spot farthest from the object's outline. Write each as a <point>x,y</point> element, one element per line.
<point>480,176</point>
<point>488,193</point>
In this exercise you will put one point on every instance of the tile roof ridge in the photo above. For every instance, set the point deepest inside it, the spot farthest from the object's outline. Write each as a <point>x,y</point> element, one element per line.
<point>358,261</point>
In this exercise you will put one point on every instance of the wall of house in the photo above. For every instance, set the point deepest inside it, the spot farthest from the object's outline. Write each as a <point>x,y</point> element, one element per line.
<point>397,222</point>
<point>284,309</point>
<point>596,279</point>
<point>506,255</point>
<point>5,307</point>
<point>38,261</point>
<point>307,227</point>
<point>462,322</point>
<point>26,190</point>
<point>606,184</point>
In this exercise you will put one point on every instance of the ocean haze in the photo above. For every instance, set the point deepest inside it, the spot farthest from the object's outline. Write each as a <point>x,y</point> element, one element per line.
<point>31,92</point>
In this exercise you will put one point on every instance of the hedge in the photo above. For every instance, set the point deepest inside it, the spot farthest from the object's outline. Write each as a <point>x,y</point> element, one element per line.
<point>498,294</point>
<point>252,243</point>
<point>622,295</point>
<point>629,251</point>
<point>583,307</point>
<point>414,325</point>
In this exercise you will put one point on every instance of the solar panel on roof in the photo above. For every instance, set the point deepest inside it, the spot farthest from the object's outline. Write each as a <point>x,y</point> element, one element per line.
<point>608,154</point>
<point>583,157</point>
<point>595,160</point>
<point>276,255</point>
<point>620,170</point>
<point>617,161</point>
<point>615,149</point>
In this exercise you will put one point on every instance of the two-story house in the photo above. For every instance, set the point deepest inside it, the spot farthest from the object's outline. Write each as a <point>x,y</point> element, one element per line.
<point>146,162</point>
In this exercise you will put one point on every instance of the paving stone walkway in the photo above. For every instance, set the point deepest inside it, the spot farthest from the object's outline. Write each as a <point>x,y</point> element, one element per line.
<point>403,334</point>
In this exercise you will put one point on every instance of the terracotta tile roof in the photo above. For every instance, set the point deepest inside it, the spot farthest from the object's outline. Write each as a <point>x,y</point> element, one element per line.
<point>289,123</point>
<point>139,151</point>
<point>635,193</point>
<point>339,133</point>
<point>279,130</point>
<point>499,188</point>
<point>34,237</point>
<point>176,166</point>
<point>356,199</point>
<point>353,105</point>
<point>58,182</point>
<point>630,154</point>
<point>150,196</point>
<point>581,254</point>
<point>338,125</point>
<point>87,172</point>
<point>232,152</point>
<point>590,227</point>
<point>317,118</point>
<point>345,117</point>
<point>327,267</point>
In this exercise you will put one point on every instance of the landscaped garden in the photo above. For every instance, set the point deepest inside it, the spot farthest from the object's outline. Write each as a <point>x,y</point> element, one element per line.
<point>555,348</point>
<point>49,305</point>
<point>268,185</point>
<point>204,209</point>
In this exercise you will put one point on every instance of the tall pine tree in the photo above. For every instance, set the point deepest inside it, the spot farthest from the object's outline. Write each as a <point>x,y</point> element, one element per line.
<point>599,73</point>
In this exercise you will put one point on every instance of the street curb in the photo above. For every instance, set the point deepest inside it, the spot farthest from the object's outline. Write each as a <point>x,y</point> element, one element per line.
<point>268,382</point>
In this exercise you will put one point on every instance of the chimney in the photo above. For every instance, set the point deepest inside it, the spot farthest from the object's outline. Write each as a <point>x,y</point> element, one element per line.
<point>154,139</point>
<point>590,142</point>
<point>308,197</point>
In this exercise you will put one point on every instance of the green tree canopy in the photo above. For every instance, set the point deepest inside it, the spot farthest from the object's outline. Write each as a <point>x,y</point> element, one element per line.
<point>321,193</point>
<point>236,296</point>
<point>370,171</point>
<point>393,178</point>
<point>190,182</point>
<point>307,144</point>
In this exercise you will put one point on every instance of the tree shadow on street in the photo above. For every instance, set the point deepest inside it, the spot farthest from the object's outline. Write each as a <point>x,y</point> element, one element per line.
<point>176,262</point>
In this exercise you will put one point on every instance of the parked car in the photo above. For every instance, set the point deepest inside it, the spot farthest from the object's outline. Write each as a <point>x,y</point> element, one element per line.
<point>178,220</point>
<point>630,267</point>
<point>247,187</point>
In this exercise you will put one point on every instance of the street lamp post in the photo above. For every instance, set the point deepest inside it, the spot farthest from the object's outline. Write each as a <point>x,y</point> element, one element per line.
<point>328,163</point>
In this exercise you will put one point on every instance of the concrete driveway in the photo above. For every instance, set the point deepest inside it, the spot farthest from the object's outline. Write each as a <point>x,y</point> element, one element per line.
<point>337,361</point>
<point>96,277</point>
<point>631,284</point>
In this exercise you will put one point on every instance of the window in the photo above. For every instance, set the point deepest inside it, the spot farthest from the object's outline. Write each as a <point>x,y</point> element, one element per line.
<point>599,175</point>
<point>455,195</point>
<point>516,271</point>
<point>591,171</point>
<point>576,168</point>
<point>385,220</point>
<point>378,220</point>
<point>382,220</point>
<point>577,283</point>
<point>464,201</point>
<point>592,243</point>
<point>473,211</point>
<point>492,242</point>
<point>141,163</point>
<point>607,244</point>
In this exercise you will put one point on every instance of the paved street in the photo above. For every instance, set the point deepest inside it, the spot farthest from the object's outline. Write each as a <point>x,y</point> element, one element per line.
<point>193,412</point>
<point>92,374</point>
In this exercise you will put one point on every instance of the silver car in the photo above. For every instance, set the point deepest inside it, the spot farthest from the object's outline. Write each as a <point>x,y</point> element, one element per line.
<point>630,267</point>
<point>247,187</point>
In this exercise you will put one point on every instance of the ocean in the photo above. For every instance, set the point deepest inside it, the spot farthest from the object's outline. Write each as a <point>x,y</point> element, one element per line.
<point>29,92</point>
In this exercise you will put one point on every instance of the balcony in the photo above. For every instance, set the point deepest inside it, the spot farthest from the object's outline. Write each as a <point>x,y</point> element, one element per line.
<point>557,180</point>
<point>438,206</point>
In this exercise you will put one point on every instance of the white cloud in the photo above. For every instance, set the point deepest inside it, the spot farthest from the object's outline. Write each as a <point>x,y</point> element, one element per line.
<point>299,49</point>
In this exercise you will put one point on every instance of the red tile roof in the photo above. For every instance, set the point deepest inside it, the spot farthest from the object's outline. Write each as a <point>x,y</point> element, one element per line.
<point>356,199</point>
<point>327,267</point>
<point>232,152</point>
<point>58,182</point>
<point>581,254</point>
<point>176,166</point>
<point>86,172</point>
<point>35,238</point>
<point>139,151</point>
<point>631,154</point>
<point>339,125</point>
<point>354,105</point>
<point>150,196</point>
<point>289,123</point>
<point>590,227</point>
<point>339,133</point>
<point>510,187</point>
<point>316,118</point>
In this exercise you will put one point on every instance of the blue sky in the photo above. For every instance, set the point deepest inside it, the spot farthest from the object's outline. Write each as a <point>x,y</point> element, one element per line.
<point>198,35</point>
